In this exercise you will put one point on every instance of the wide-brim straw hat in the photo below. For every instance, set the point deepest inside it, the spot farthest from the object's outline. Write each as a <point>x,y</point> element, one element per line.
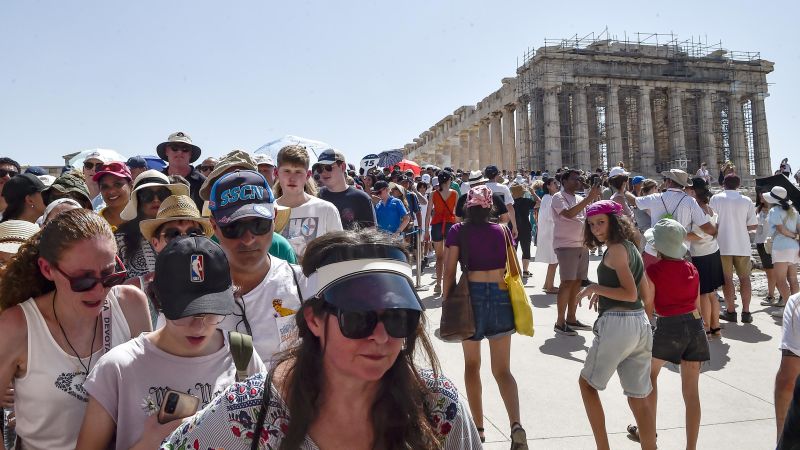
<point>149,178</point>
<point>14,233</point>
<point>175,207</point>
<point>677,176</point>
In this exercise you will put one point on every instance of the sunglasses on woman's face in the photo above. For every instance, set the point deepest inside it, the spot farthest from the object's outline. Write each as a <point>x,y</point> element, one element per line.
<point>88,165</point>
<point>147,195</point>
<point>399,323</point>
<point>171,233</point>
<point>87,283</point>
<point>258,227</point>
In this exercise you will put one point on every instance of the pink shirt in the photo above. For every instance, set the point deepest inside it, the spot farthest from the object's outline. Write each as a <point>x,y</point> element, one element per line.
<point>567,233</point>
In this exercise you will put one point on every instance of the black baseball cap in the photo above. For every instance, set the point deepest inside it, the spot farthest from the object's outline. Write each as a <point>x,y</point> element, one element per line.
<point>36,170</point>
<point>16,188</point>
<point>491,172</point>
<point>379,185</point>
<point>241,194</point>
<point>136,162</point>
<point>192,277</point>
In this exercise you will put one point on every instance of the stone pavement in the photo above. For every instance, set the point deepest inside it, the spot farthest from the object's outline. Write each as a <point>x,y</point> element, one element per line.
<point>736,386</point>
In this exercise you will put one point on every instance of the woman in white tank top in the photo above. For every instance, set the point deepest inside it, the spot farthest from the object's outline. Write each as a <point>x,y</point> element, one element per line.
<point>61,310</point>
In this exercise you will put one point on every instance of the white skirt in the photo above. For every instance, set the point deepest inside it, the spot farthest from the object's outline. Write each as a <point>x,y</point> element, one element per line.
<point>785,256</point>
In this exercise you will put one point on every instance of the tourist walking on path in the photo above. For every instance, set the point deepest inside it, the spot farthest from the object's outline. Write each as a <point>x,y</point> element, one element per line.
<point>679,336</point>
<point>523,206</point>
<point>354,379</point>
<point>355,206</point>
<point>544,236</point>
<point>675,204</point>
<point>492,174</point>
<point>91,165</point>
<point>180,153</point>
<point>762,211</point>
<point>114,181</point>
<point>737,217</point>
<point>439,220</point>
<point>23,197</point>
<point>568,209</point>
<point>63,311</point>
<point>706,258</point>
<point>485,244</point>
<point>783,221</point>
<point>623,337</point>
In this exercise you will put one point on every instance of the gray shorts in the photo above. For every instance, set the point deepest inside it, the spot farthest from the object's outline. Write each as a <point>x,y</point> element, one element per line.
<point>573,263</point>
<point>623,342</point>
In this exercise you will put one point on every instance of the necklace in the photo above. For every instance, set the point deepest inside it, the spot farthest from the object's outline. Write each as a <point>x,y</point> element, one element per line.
<point>91,350</point>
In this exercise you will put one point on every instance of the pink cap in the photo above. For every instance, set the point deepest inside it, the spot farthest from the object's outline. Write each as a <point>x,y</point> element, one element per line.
<point>118,169</point>
<point>603,207</point>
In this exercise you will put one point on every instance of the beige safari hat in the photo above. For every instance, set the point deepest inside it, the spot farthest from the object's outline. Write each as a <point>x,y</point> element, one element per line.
<point>179,137</point>
<point>677,176</point>
<point>237,159</point>
<point>175,207</point>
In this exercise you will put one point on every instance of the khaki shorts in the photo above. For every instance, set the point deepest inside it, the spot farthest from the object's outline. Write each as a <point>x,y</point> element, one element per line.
<point>740,263</point>
<point>573,263</point>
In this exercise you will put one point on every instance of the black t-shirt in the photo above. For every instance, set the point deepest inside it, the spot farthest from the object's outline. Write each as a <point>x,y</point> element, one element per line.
<point>497,199</point>
<point>355,207</point>
<point>522,210</point>
<point>195,180</point>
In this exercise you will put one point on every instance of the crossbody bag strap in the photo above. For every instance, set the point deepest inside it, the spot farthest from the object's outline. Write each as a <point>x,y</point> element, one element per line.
<point>241,351</point>
<point>266,398</point>
<point>511,256</point>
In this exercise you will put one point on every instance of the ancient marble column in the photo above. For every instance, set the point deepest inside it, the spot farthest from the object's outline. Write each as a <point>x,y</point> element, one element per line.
<point>474,148</point>
<point>676,136</point>
<point>509,144</point>
<point>736,136</point>
<point>582,159</point>
<point>552,131</point>
<point>613,127</point>
<point>463,150</point>
<point>483,144</point>
<point>496,144</point>
<point>761,137</point>
<point>708,141</point>
<point>523,134</point>
<point>647,146</point>
<point>536,127</point>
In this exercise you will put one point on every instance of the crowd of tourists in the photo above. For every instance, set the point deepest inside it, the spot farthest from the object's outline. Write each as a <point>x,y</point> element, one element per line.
<point>245,301</point>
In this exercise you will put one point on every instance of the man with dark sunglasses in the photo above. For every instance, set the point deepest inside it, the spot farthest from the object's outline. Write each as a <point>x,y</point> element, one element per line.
<point>242,214</point>
<point>355,206</point>
<point>180,153</point>
<point>92,164</point>
<point>8,169</point>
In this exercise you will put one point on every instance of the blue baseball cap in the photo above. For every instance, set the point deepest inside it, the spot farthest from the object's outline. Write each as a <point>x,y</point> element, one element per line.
<point>636,180</point>
<point>241,194</point>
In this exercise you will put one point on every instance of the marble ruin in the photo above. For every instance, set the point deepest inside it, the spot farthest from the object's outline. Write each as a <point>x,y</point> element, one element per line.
<point>651,102</point>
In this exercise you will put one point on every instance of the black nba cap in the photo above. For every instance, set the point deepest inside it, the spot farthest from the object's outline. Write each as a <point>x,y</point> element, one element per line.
<point>192,277</point>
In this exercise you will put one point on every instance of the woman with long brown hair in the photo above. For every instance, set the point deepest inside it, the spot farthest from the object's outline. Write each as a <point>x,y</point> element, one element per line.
<point>62,311</point>
<point>355,368</point>
<point>440,218</point>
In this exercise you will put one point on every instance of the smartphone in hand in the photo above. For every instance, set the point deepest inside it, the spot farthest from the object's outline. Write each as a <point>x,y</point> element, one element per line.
<point>177,405</point>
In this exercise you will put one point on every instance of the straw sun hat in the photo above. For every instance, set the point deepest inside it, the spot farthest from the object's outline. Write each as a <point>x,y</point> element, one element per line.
<point>175,207</point>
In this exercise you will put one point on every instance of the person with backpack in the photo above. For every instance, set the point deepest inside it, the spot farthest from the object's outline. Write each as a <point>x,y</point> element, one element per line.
<point>673,203</point>
<point>188,354</point>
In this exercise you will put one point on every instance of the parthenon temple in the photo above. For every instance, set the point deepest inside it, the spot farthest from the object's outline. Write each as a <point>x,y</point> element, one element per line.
<point>650,101</point>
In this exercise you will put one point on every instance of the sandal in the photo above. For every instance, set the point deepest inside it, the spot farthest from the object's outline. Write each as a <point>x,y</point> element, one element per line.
<point>480,434</point>
<point>519,440</point>
<point>633,432</point>
<point>551,291</point>
<point>714,332</point>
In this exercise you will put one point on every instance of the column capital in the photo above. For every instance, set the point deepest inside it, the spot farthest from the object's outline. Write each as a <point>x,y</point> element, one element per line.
<point>496,114</point>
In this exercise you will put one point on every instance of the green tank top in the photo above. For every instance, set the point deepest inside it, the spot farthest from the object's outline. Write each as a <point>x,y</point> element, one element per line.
<point>608,277</point>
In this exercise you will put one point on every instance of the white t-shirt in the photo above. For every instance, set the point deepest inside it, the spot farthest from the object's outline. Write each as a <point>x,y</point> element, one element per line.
<point>270,310</point>
<point>736,213</point>
<point>683,208</point>
<point>131,381</point>
<point>791,331</point>
<point>498,188</point>
<point>309,221</point>
<point>707,243</point>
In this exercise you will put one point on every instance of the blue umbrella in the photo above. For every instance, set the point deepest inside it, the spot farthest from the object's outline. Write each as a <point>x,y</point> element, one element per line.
<point>315,147</point>
<point>390,157</point>
<point>155,163</point>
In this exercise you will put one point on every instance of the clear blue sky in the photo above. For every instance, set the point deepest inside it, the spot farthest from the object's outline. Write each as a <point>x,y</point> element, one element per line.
<point>363,76</point>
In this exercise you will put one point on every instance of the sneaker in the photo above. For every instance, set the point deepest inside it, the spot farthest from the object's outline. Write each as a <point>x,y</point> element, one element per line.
<point>729,316</point>
<point>437,289</point>
<point>565,330</point>
<point>747,317</point>
<point>768,301</point>
<point>577,325</point>
<point>526,274</point>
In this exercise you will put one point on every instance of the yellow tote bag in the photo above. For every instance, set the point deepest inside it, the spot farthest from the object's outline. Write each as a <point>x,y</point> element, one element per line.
<point>523,314</point>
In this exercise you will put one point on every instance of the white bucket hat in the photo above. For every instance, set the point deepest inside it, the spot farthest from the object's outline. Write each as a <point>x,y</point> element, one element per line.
<point>146,179</point>
<point>776,194</point>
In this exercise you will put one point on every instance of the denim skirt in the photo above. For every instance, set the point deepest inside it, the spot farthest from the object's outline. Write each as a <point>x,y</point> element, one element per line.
<point>491,307</point>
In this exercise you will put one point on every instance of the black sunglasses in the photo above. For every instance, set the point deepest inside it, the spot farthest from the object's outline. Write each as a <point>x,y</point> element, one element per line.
<point>9,173</point>
<point>399,323</point>
<point>171,233</point>
<point>206,168</point>
<point>180,148</point>
<point>87,283</point>
<point>258,227</point>
<point>325,167</point>
<point>90,165</point>
<point>147,195</point>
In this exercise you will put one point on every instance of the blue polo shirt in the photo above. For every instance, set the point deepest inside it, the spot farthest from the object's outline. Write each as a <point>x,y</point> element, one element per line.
<point>390,214</point>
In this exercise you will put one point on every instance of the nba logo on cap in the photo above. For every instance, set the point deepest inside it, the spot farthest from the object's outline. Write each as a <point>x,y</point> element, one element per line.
<point>197,273</point>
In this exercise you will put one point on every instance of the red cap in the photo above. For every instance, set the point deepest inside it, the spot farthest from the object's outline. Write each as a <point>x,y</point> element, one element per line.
<point>118,169</point>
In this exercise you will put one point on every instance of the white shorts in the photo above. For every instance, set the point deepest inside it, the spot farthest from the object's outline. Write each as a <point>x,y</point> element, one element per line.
<point>785,256</point>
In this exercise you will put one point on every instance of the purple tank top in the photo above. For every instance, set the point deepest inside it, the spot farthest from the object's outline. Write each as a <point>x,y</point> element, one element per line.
<point>487,245</point>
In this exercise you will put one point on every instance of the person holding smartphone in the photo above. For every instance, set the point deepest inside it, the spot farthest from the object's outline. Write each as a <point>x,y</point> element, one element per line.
<point>189,354</point>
